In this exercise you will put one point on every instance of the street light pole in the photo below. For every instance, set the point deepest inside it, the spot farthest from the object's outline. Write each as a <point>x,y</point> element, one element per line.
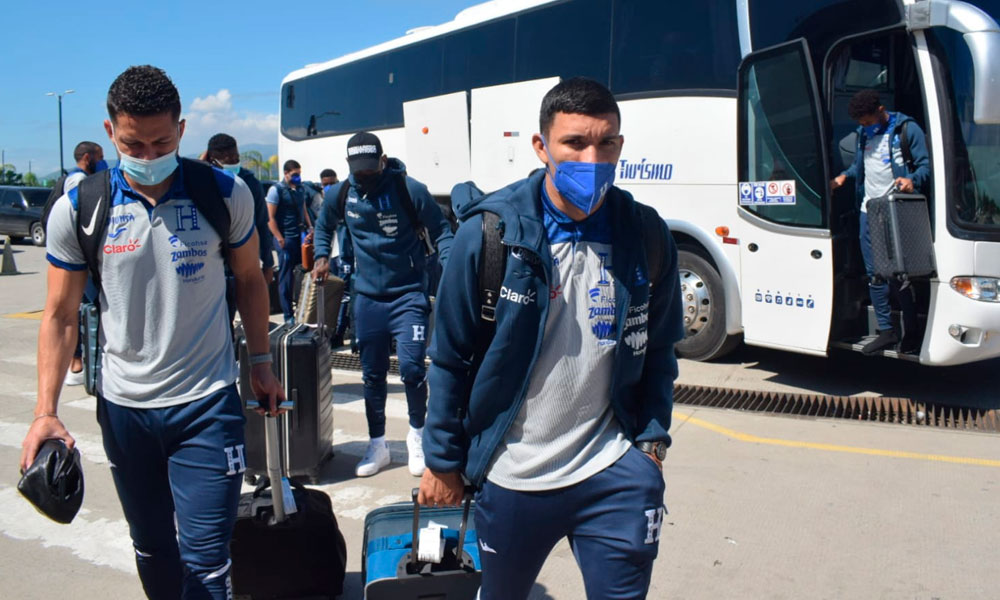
<point>62,170</point>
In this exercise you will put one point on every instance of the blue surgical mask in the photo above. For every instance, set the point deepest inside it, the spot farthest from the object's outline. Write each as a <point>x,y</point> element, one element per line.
<point>147,172</point>
<point>296,179</point>
<point>876,129</point>
<point>234,169</point>
<point>583,184</point>
<point>100,165</point>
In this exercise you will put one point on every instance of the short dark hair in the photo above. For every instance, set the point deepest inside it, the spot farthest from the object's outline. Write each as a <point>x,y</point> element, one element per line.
<point>863,104</point>
<point>143,91</point>
<point>578,95</point>
<point>327,173</point>
<point>221,142</point>
<point>82,148</point>
<point>291,165</point>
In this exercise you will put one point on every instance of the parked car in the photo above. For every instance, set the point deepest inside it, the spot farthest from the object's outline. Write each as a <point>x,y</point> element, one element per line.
<point>21,212</point>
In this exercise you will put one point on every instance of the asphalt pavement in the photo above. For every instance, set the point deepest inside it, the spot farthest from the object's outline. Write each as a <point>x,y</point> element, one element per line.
<point>759,506</point>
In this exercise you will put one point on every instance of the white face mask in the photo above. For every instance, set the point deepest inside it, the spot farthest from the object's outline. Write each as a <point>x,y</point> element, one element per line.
<point>146,172</point>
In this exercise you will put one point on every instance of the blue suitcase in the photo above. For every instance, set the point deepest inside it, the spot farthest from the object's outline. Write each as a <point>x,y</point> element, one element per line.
<point>389,565</point>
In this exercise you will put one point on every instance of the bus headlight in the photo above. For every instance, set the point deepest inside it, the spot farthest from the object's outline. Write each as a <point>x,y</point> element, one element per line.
<point>984,289</point>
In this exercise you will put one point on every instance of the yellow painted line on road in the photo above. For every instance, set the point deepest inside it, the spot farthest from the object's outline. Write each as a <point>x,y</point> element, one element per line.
<point>746,437</point>
<point>35,315</point>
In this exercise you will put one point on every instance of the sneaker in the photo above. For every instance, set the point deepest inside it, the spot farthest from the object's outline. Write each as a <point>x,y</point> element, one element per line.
<point>415,451</point>
<point>376,458</point>
<point>886,339</point>
<point>74,378</point>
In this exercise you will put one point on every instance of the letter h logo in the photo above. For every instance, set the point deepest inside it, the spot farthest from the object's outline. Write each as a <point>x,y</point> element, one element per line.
<point>192,217</point>
<point>236,458</point>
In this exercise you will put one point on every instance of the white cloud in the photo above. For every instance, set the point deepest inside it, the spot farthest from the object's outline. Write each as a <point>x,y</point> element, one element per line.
<point>215,113</point>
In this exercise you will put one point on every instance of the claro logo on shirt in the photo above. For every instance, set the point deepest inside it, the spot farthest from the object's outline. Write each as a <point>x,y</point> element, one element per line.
<point>130,246</point>
<point>516,297</point>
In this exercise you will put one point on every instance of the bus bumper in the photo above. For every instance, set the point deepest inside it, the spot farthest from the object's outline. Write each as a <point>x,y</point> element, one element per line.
<point>959,330</point>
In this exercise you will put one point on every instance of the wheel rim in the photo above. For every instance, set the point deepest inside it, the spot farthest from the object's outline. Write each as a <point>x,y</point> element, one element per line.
<point>697,302</point>
<point>37,234</point>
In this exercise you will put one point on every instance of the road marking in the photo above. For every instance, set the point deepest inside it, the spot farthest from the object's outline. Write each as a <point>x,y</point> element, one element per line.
<point>103,542</point>
<point>34,315</point>
<point>746,437</point>
<point>91,447</point>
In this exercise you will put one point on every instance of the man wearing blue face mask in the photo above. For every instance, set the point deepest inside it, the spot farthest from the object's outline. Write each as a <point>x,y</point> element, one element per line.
<point>560,416</point>
<point>154,240</point>
<point>891,152</point>
<point>289,219</point>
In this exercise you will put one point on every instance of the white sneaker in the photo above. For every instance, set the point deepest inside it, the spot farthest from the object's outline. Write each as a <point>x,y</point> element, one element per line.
<point>74,378</point>
<point>376,458</point>
<point>415,451</point>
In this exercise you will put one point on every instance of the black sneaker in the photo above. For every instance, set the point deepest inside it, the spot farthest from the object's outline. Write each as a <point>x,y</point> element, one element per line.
<point>885,339</point>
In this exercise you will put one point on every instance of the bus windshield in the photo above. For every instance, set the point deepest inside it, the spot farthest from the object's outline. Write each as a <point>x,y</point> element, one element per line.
<point>976,190</point>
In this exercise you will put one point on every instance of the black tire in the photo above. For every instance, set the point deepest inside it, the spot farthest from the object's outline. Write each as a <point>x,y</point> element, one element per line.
<point>37,234</point>
<point>704,306</point>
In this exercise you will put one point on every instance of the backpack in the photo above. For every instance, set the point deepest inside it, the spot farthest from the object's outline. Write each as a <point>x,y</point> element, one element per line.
<point>904,148</point>
<point>493,265</point>
<point>411,212</point>
<point>55,194</point>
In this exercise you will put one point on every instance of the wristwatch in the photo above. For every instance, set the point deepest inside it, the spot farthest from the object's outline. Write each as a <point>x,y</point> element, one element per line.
<point>657,449</point>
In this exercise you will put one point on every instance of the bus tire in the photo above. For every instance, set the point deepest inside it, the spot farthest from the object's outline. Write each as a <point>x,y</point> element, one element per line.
<point>703,303</point>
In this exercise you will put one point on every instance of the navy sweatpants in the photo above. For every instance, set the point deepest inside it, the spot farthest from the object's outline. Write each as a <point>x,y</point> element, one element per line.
<point>182,462</point>
<point>613,521</point>
<point>376,323</point>
<point>289,257</point>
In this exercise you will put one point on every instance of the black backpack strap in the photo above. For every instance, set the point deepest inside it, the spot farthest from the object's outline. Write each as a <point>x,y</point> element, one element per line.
<point>492,264</point>
<point>653,241</point>
<point>404,197</point>
<point>345,188</point>
<point>56,193</point>
<point>904,147</point>
<point>93,200</point>
<point>203,189</point>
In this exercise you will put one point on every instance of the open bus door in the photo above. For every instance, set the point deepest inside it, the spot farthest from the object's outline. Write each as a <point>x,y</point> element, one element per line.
<point>786,257</point>
<point>437,140</point>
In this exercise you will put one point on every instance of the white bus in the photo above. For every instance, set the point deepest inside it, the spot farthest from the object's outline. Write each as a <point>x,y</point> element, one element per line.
<point>712,93</point>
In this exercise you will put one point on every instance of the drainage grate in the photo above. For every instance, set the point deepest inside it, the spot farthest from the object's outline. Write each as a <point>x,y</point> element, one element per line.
<point>352,362</point>
<point>902,411</point>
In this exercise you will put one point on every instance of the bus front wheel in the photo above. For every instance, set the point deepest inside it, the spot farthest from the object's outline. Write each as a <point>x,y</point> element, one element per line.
<point>704,306</point>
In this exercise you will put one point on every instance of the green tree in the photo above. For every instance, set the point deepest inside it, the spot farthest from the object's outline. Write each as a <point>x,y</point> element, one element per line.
<point>8,176</point>
<point>252,160</point>
<point>31,179</point>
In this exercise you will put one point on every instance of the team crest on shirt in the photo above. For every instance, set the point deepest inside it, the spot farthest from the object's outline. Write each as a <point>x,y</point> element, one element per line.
<point>601,315</point>
<point>389,222</point>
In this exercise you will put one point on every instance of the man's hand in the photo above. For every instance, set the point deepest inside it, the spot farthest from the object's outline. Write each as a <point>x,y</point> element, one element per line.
<point>904,184</point>
<point>267,389</point>
<point>268,274</point>
<point>838,181</point>
<point>42,429</point>
<point>321,269</point>
<point>440,489</point>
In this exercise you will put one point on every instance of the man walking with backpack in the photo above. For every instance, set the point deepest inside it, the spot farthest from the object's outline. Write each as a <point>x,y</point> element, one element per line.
<point>394,225</point>
<point>553,362</point>
<point>154,233</point>
<point>289,220</point>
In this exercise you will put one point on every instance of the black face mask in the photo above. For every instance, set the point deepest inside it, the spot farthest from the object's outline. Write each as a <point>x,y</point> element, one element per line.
<point>366,183</point>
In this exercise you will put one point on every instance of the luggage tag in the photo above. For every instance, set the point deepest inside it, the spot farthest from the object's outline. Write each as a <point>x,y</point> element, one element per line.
<point>431,543</point>
<point>288,497</point>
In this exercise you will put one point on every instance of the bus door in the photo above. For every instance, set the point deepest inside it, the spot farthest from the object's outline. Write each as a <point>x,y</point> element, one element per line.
<point>786,273</point>
<point>504,117</point>
<point>437,140</point>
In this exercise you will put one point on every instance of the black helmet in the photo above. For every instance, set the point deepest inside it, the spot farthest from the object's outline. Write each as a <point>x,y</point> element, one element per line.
<point>54,482</point>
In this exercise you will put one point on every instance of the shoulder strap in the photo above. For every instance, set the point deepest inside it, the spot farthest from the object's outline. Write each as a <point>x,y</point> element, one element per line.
<point>492,264</point>
<point>203,189</point>
<point>653,241</point>
<point>345,188</point>
<point>55,194</point>
<point>407,201</point>
<point>904,147</point>
<point>93,198</point>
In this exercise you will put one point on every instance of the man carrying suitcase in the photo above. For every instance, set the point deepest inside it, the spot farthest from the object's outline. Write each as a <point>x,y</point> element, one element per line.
<point>389,218</point>
<point>891,152</point>
<point>151,233</point>
<point>555,402</point>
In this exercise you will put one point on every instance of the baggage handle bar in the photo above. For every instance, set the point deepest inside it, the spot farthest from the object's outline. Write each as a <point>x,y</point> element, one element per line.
<point>274,467</point>
<point>459,551</point>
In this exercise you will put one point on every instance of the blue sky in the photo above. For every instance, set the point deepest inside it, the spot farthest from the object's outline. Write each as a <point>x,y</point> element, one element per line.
<point>226,58</point>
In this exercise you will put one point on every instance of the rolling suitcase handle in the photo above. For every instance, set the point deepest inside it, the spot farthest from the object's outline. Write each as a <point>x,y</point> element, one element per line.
<point>459,550</point>
<point>274,467</point>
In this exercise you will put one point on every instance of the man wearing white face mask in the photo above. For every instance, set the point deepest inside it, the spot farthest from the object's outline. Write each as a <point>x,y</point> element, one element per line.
<point>150,234</point>
<point>555,403</point>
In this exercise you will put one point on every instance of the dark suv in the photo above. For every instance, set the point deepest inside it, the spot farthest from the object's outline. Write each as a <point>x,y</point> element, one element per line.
<point>21,212</point>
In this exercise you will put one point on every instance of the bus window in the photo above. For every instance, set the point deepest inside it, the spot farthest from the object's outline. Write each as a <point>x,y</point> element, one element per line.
<point>779,134</point>
<point>773,22</point>
<point>662,46</point>
<point>479,57</point>
<point>543,34</point>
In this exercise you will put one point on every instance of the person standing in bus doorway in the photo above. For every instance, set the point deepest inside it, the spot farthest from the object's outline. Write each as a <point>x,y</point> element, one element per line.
<point>388,217</point>
<point>170,415</point>
<point>289,220</point>
<point>880,163</point>
<point>561,417</point>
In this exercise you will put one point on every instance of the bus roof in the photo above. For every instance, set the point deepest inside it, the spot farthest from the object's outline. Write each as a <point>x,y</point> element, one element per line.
<point>480,13</point>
